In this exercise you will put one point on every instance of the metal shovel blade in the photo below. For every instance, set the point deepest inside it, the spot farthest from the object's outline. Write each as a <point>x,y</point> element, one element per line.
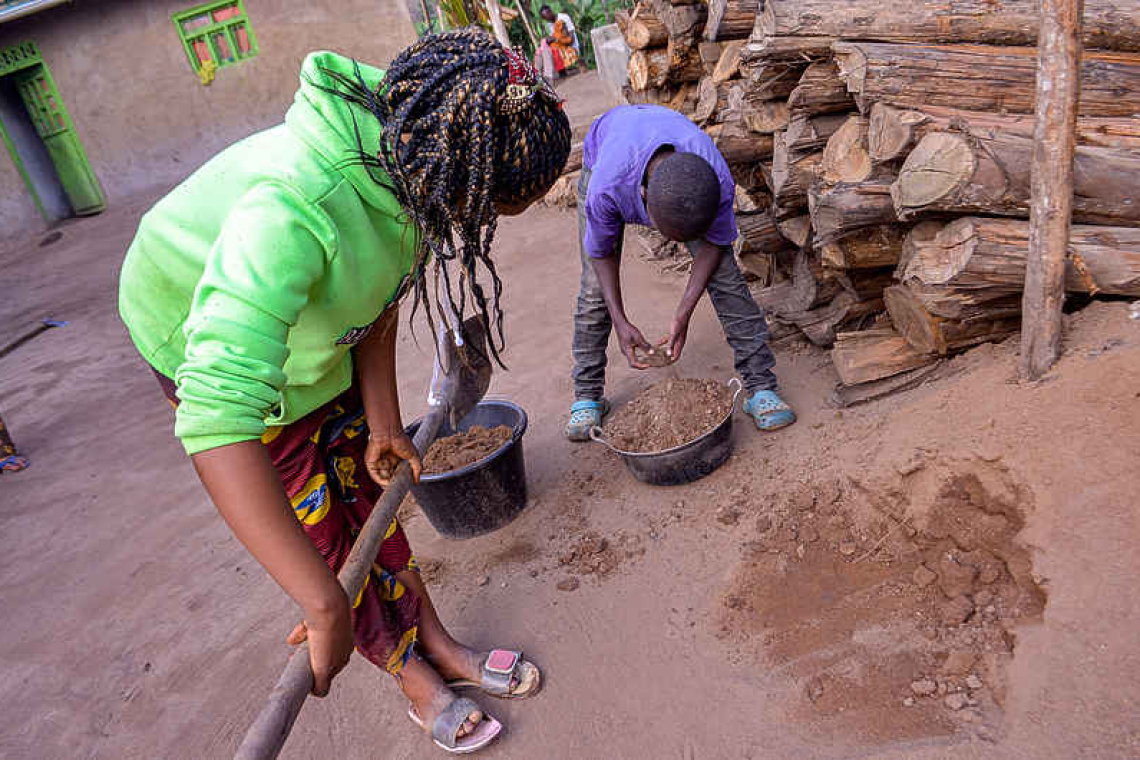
<point>462,371</point>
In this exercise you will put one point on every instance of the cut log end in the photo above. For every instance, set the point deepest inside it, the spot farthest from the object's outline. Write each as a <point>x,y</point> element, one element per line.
<point>913,321</point>
<point>937,166</point>
<point>845,159</point>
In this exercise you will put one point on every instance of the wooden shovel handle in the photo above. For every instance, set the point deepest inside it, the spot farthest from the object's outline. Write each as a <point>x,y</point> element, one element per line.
<point>268,732</point>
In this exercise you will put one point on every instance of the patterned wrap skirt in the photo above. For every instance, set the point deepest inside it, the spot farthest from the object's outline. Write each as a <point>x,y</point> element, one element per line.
<point>320,459</point>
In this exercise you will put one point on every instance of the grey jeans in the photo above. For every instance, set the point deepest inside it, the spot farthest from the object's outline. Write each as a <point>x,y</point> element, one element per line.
<point>740,317</point>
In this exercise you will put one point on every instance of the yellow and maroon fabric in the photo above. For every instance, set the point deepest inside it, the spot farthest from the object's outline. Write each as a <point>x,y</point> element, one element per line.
<point>565,56</point>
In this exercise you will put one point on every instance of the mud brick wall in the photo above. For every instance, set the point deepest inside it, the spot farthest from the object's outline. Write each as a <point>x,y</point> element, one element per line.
<point>143,116</point>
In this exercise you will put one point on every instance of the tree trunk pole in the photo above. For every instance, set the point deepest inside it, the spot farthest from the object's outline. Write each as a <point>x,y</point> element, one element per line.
<point>427,17</point>
<point>1051,184</point>
<point>526,23</point>
<point>497,23</point>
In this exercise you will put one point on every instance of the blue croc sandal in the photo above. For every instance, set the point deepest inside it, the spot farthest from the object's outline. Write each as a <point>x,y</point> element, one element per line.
<point>585,415</point>
<point>769,411</point>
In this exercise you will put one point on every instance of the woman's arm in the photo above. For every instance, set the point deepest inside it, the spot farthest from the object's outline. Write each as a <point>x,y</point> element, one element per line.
<point>375,363</point>
<point>244,486</point>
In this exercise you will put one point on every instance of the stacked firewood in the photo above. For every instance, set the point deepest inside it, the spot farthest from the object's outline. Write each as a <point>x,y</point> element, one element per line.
<point>883,153</point>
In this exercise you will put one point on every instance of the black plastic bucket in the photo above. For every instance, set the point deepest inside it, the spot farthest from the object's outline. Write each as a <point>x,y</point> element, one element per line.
<point>485,495</point>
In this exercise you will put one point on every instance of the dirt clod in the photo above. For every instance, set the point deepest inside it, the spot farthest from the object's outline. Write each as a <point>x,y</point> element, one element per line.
<point>923,576</point>
<point>668,414</point>
<point>956,611</point>
<point>973,682</point>
<point>959,662</point>
<point>727,515</point>
<point>955,579</point>
<point>923,687</point>
<point>567,584</point>
<point>955,701</point>
<point>462,449</point>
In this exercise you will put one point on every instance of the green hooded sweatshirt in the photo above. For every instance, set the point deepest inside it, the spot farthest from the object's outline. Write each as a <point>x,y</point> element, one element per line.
<point>251,281</point>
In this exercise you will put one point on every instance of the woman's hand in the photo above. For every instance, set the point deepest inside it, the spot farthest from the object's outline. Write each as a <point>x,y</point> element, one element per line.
<point>329,633</point>
<point>385,452</point>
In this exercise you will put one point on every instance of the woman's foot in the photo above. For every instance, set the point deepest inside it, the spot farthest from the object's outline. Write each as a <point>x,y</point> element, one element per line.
<point>500,672</point>
<point>429,696</point>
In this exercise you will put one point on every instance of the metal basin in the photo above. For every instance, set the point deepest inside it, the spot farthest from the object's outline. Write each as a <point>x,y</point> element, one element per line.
<point>680,464</point>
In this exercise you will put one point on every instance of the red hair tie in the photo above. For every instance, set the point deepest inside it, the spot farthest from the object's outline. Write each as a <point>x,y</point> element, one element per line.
<point>523,83</point>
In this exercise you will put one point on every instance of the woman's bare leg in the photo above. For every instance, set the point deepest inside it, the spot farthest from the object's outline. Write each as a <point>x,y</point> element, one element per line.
<point>450,658</point>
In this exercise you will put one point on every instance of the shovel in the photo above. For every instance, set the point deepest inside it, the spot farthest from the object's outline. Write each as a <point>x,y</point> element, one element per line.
<point>459,379</point>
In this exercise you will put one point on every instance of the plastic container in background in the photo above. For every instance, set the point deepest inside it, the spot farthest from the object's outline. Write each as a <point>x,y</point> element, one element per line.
<point>485,495</point>
<point>611,53</point>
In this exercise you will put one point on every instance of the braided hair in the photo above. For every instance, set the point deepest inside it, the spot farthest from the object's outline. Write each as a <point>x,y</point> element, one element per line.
<point>466,124</point>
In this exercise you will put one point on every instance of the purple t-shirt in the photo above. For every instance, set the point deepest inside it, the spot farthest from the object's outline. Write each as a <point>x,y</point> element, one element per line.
<point>617,150</point>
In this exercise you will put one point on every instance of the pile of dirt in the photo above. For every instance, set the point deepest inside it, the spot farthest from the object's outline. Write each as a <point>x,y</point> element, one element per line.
<point>893,603</point>
<point>594,554</point>
<point>462,449</point>
<point>668,414</point>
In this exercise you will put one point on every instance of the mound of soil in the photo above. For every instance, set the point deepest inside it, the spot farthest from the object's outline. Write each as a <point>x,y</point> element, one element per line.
<point>892,601</point>
<point>462,449</point>
<point>668,414</point>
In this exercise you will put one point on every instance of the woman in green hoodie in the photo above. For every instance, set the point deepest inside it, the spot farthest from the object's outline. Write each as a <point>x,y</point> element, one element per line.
<point>264,292</point>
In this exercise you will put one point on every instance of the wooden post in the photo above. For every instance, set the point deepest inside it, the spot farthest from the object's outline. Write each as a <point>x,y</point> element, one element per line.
<point>526,23</point>
<point>497,23</point>
<point>1051,183</point>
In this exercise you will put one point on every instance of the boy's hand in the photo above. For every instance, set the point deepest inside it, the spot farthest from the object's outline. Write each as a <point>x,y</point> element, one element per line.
<point>678,333</point>
<point>385,452</point>
<point>629,337</point>
<point>330,644</point>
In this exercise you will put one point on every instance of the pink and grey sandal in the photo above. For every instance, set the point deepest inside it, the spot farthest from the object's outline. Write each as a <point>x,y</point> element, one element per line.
<point>445,727</point>
<point>499,669</point>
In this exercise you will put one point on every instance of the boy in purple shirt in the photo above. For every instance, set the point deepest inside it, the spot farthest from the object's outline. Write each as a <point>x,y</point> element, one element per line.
<point>651,166</point>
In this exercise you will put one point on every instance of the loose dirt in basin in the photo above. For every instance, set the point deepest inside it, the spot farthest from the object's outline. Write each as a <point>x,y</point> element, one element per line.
<point>669,414</point>
<point>462,449</point>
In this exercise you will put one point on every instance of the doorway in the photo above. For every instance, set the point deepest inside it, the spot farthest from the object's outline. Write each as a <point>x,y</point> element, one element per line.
<point>40,137</point>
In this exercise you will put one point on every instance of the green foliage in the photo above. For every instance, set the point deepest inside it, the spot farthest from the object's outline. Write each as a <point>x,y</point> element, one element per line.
<point>519,38</point>
<point>586,14</point>
<point>460,13</point>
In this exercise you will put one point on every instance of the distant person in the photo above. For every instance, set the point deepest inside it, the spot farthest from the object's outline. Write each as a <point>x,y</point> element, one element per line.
<point>10,459</point>
<point>265,291</point>
<point>559,51</point>
<point>651,166</point>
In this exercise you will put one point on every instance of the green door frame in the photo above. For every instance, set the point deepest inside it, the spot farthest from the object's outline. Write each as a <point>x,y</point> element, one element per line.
<point>20,58</point>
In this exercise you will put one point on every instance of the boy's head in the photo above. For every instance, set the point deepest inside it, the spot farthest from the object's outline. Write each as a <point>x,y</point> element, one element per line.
<point>546,12</point>
<point>682,196</point>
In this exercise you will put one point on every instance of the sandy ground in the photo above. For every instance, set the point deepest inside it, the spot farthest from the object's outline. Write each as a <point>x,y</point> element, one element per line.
<point>775,609</point>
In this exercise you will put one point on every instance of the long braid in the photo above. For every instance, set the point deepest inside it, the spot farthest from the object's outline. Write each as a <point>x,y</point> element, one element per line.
<point>451,151</point>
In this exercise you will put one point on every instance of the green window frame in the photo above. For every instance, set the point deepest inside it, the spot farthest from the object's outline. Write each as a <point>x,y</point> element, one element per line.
<point>218,32</point>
